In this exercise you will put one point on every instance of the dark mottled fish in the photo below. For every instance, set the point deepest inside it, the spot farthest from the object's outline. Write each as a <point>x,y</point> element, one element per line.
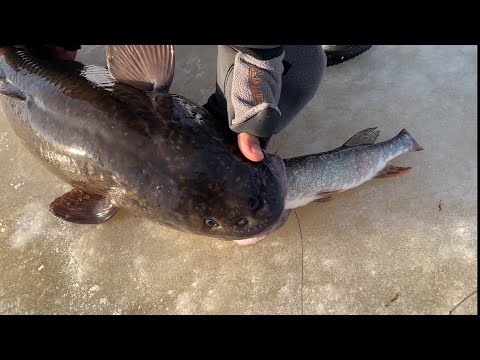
<point>122,141</point>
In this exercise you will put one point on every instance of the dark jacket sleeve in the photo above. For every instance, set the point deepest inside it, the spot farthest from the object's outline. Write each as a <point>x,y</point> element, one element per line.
<point>260,52</point>
<point>70,47</point>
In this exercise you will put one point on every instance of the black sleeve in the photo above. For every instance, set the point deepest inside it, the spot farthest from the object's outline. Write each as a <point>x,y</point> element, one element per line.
<point>70,47</point>
<point>260,52</point>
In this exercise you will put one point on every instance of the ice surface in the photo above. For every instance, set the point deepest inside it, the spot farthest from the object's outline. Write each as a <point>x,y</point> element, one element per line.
<point>415,236</point>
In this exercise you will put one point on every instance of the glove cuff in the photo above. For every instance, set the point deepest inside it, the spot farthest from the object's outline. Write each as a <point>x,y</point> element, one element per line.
<point>256,86</point>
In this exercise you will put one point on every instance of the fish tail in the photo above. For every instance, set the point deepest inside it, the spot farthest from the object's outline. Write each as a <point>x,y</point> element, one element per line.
<point>412,144</point>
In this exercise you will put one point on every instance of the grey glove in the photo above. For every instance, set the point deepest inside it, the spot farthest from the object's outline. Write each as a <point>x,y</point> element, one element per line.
<point>256,89</point>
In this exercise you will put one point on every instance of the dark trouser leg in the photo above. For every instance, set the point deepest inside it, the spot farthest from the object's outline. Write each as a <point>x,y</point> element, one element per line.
<point>217,103</point>
<point>299,83</point>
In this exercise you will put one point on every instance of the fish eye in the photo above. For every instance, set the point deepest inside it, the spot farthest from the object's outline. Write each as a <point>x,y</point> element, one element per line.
<point>241,222</point>
<point>211,222</point>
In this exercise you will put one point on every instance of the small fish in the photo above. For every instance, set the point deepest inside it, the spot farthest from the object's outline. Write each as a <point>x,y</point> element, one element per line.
<point>320,177</point>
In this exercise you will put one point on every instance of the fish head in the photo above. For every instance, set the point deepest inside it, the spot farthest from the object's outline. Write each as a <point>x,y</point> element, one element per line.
<point>237,202</point>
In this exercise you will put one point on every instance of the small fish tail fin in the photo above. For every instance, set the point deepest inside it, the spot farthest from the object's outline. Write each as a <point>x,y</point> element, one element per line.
<point>410,141</point>
<point>146,67</point>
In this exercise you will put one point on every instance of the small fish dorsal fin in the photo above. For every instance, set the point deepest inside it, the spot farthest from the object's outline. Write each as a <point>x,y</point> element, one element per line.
<point>146,67</point>
<point>364,137</point>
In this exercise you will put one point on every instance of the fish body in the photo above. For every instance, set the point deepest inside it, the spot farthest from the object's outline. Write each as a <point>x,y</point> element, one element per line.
<point>157,155</point>
<point>320,176</point>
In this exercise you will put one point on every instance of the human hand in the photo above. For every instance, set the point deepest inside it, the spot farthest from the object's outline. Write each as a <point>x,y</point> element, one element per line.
<point>250,147</point>
<point>255,93</point>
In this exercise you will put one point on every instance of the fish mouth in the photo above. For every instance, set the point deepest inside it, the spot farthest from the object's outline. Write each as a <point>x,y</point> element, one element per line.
<point>255,239</point>
<point>276,164</point>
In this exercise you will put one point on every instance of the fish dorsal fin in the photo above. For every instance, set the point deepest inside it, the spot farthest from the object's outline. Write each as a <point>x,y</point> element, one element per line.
<point>364,137</point>
<point>146,67</point>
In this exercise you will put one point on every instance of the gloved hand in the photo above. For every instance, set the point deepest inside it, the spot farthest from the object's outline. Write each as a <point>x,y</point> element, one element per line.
<point>256,88</point>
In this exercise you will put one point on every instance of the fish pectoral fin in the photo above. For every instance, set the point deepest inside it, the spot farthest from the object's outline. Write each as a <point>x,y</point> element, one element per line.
<point>364,137</point>
<point>327,196</point>
<point>9,90</point>
<point>81,207</point>
<point>146,67</point>
<point>392,171</point>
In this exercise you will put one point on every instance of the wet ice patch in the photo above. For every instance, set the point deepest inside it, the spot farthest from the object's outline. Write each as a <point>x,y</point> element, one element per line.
<point>3,141</point>
<point>34,221</point>
<point>94,288</point>
<point>16,182</point>
<point>77,265</point>
<point>200,74</point>
<point>194,64</point>
<point>185,304</point>
<point>16,186</point>
<point>458,245</point>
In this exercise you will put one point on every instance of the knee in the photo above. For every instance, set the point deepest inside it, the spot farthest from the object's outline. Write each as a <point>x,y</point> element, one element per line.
<point>301,82</point>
